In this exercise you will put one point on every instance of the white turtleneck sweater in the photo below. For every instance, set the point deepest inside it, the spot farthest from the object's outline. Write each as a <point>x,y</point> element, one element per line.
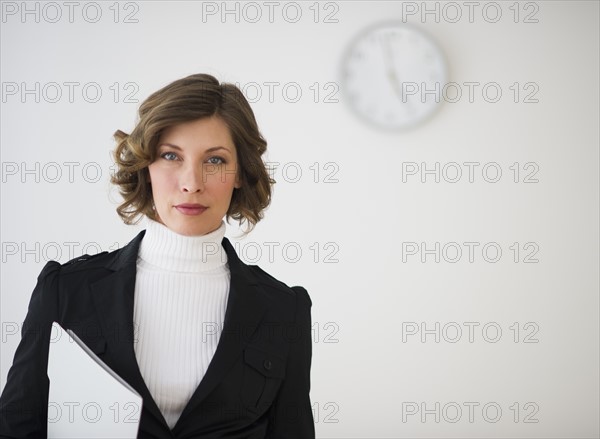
<point>181,291</point>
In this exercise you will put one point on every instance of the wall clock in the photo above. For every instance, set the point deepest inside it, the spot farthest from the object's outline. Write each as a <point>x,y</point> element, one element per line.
<point>392,75</point>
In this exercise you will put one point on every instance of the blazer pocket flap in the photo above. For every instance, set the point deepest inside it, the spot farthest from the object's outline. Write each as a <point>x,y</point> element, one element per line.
<point>265,363</point>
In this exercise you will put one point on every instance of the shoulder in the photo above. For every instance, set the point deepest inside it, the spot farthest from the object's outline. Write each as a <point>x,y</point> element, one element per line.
<point>267,280</point>
<point>87,262</point>
<point>103,261</point>
<point>78,263</point>
<point>75,272</point>
<point>275,289</point>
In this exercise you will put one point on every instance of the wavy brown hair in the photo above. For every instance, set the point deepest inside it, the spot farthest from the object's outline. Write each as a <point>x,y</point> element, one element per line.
<point>187,99</point>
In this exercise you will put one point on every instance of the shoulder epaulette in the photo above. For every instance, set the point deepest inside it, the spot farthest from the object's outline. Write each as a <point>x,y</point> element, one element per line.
<point>83,258</point>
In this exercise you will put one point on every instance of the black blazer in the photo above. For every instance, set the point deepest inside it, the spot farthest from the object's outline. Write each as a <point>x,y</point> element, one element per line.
<point>256,386</point>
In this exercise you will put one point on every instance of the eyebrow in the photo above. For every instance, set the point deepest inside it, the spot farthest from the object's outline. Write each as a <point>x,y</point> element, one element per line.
<point>214,148</point>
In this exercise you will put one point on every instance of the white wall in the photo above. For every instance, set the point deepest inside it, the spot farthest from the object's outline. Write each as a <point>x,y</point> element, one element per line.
<point>364,376</point>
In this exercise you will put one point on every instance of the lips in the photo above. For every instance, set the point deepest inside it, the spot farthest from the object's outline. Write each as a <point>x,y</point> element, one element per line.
<point>191,209</point>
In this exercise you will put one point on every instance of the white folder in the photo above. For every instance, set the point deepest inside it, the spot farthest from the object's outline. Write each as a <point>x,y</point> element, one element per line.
<point>87,399</point>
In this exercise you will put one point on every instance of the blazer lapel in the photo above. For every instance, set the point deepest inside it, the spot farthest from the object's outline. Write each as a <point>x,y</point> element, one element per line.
<point>113,296</point>
<point>246,305</point>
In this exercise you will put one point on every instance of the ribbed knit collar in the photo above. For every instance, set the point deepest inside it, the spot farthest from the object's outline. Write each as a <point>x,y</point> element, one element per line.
<point>171,251</point>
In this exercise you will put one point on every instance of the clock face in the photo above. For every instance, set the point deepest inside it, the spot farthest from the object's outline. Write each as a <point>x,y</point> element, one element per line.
<point>393,76</point>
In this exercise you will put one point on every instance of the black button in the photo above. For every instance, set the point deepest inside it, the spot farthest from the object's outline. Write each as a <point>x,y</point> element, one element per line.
<point>267,364</point>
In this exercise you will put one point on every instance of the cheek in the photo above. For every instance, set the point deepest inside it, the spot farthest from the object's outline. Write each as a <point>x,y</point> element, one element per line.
<point>160,180</point>
<point>220,187</point>
<point>221,181</point>
<point>221,191</point>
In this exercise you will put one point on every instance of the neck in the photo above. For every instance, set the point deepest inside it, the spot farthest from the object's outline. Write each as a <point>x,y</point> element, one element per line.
<point>167,250</point>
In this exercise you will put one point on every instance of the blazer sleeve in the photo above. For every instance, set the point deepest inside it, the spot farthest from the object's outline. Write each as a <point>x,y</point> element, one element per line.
<point>291,415</point>
<point>24,400</point>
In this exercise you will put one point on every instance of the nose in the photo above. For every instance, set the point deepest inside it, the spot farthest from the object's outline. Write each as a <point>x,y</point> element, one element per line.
<point>191,179</point>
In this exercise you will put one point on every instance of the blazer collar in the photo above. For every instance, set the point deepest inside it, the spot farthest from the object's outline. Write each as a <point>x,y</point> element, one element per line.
<point>113,296</point>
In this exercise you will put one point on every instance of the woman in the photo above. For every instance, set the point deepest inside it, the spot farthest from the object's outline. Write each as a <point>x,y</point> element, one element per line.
<point>216,348</point>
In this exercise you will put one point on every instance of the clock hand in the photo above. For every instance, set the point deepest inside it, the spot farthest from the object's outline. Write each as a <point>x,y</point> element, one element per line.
<point>391,71</point>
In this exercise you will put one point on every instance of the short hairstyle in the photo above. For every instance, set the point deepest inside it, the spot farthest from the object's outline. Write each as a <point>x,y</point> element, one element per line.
<point>187,99</point>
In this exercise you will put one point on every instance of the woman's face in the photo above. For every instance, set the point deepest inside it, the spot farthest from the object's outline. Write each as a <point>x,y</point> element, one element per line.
<point>194,175</point>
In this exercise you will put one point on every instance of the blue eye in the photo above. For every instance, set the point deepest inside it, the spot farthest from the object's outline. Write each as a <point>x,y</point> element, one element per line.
<point>166,156</point>
<point>221,160</point>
